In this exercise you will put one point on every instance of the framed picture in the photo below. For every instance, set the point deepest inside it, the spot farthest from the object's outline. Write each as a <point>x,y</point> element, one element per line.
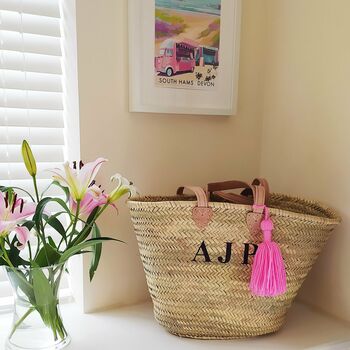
<point>183,56</point>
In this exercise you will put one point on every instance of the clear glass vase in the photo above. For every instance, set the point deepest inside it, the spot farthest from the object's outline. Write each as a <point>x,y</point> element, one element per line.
<point>37,321</point>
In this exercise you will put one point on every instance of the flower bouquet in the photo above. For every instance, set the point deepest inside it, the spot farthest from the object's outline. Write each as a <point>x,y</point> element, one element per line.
<point>34,259</point>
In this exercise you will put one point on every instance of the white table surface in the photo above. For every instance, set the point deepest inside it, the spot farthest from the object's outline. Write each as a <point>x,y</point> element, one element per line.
<point>135,328</point>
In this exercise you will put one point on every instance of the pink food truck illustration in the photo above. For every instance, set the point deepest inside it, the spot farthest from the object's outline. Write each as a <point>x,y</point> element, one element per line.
<point>176,57</point>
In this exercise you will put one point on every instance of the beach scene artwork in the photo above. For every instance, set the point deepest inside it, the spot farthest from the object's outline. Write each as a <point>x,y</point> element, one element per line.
<point>187,43</point>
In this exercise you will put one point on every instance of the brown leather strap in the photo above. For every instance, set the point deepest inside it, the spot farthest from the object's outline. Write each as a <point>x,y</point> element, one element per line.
<point>263,182</point>
<point>232,197</point>
<point>259,181</point>
<point>226,185</point>
<point>217,188</point>
<point>202,200</point>
<point>252,194</point>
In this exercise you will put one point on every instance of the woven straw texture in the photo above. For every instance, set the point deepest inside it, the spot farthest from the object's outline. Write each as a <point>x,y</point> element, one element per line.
<point>211,300</point>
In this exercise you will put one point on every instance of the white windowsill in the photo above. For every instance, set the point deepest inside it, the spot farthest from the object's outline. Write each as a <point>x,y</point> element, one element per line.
<point>134,327</point>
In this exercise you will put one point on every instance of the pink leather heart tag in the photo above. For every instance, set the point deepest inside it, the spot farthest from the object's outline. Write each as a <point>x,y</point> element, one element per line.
<point>202,216</point>
<point>253,223</point>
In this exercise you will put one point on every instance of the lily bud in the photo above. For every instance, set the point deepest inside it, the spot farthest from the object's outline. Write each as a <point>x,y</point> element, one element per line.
<point>28,158</point>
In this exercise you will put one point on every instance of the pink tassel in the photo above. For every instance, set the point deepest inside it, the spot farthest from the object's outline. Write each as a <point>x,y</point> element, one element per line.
<point>268,277</point>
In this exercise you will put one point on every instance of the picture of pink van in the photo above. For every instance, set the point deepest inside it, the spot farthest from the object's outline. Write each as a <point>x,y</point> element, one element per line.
<point>175,57</point>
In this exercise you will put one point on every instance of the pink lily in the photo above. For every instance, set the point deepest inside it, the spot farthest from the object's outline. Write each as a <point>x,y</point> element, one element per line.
<point>78,180</point>
<point>93,198</point>
<point>12,214</point>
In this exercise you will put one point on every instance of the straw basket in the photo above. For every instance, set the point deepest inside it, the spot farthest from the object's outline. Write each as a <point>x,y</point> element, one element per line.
<point>210,299</point>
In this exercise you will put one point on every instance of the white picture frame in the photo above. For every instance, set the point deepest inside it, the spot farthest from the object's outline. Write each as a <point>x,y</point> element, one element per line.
<point>146,96</point>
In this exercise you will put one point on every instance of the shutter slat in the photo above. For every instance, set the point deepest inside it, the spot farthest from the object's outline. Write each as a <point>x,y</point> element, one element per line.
<point>18,171</point>
<point>49,8</point>
<point>11,79</point>
<point>31,99</point>
<point>15,41</point>
<point>36,136</point>
<point>28,186</point>
<point>5,287</point>
<point>43,153</point>
<point>31,118</point>
<point>30,62</point>
<point>27,23</point>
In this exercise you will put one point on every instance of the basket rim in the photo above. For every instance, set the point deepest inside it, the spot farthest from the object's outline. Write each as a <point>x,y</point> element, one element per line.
<point>332,218</point>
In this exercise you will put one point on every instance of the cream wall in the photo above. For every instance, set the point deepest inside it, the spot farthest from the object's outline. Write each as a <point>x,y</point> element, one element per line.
<point>306,143</point>
<point>159,152</point>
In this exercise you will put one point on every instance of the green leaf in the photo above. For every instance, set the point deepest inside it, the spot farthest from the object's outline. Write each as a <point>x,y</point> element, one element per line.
<point>84,252</point>
<point>56,224</point>
<point>45,298</point>
<point>2,261</point>
<point>81,246</point>
<point>64,189</point>
<point>52,242</point>
<point>97,250</point>
<point>42,287</point>
<point>39,212</point>
<point>18,279</point>
<point>15,258</point>
<point>47,256</point>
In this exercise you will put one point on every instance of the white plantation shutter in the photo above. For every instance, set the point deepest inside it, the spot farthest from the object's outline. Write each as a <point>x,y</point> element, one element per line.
<point>31,95</point>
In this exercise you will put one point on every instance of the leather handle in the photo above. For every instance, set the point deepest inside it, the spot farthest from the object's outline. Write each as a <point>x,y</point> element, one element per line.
<point>232,197</point>
<point>259,190</point>
<point>217,188</point>
<point>227,185</point>
<point>201,213</point>
<point>202,200</point>
<point>259,181</point>
<point>259,196</point>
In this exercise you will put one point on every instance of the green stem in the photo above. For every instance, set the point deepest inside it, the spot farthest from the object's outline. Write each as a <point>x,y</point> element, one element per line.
<point>30,252</point>
<point>18,323</point>
<point>75,222</point>
<point>44,242</point>
<point>78,239</point>
<point>37,245</point>
<point>42,226</point>
<point>36,189</point>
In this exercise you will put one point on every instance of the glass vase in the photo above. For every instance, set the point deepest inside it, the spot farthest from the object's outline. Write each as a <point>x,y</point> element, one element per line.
<point>37,321</point>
